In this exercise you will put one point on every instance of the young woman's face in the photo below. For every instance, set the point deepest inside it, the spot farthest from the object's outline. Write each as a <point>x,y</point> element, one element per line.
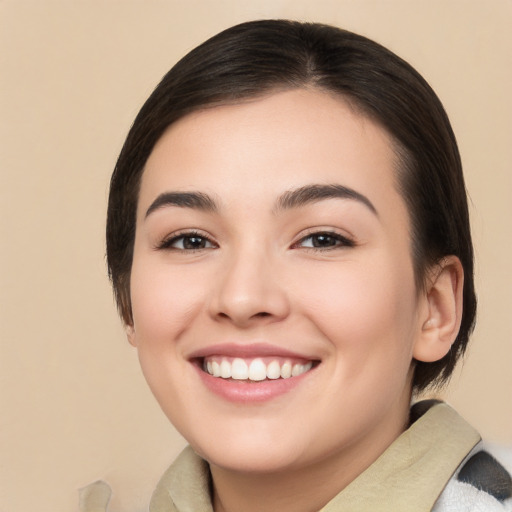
<point>272,245</point>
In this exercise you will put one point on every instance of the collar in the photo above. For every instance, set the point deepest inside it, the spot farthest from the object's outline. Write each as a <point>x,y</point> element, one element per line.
<point>409,475</point>
<point>413,471</point>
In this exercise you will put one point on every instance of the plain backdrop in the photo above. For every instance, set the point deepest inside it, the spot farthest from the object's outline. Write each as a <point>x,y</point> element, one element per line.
<point>73,74</point>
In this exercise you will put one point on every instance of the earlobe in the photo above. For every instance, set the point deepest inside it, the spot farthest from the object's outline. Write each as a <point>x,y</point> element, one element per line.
<point>441,321</point>
<point>130,334</point>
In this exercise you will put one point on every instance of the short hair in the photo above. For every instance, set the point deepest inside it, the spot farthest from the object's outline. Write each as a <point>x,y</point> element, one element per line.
<point>260,57</point>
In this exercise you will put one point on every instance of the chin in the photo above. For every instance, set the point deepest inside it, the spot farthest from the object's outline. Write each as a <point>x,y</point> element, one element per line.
<point>252,461</point>
<point>264,452</point>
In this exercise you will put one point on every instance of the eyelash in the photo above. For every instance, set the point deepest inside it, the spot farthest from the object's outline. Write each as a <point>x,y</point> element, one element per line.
<point>167,243</point>
<point>339,241</point>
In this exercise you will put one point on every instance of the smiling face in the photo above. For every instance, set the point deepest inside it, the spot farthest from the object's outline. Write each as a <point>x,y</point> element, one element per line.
<point>272,246</point>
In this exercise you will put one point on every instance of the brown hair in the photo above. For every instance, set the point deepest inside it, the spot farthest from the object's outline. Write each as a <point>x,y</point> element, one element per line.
<point>256,58</point>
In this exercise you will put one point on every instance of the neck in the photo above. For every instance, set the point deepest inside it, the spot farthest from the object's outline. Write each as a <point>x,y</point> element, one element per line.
<point>302,490</point>
<point>306,489</point>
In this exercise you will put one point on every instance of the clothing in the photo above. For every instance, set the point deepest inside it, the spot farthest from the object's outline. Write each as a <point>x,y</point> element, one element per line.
<point>461,497</point>
<point>429,451</point>
<point>481,484</point>
<point>409,476</point>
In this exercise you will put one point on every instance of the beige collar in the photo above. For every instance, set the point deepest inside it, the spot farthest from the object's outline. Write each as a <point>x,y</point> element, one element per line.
<point>409,475</point>
<point>413,471</point>
<point>184,487</point>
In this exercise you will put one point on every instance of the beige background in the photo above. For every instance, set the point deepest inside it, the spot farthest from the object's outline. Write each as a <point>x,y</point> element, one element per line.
<point>74,407</point>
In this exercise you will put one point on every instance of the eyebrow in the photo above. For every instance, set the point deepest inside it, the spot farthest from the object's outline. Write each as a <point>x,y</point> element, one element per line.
<point>314,193</point>
<point>195,200</point>
<point>287,201</point>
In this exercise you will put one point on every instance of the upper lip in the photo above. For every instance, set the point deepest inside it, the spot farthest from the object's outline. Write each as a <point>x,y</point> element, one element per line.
<point>247,350</point>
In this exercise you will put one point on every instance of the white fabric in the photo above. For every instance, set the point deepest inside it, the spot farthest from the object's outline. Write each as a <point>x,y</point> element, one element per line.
<point>461,497</point>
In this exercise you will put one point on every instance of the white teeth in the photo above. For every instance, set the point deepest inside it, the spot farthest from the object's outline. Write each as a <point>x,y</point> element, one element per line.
<point>273,370</point>
<point>225,369</point>
<point>239,370</point>
<point>286,370</point>
<point>215,369</point>
<point>296,370</point>
<point>256,370</point>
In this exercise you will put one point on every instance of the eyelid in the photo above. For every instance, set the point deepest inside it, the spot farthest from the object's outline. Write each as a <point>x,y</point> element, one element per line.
<point>166,242</point>
<point>345,239</point>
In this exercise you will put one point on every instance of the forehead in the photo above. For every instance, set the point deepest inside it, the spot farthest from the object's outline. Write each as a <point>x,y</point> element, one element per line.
<point>283,140</point>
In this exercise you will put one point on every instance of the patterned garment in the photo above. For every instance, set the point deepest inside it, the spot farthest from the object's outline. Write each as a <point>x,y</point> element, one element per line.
<point>482,484</point>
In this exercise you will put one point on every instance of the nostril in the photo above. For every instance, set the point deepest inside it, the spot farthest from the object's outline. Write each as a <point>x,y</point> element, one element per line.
<point>263,314</point>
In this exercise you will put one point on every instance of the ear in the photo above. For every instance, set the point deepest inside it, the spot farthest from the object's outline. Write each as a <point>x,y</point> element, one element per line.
<point>440,321</point>
<point>130,334</point>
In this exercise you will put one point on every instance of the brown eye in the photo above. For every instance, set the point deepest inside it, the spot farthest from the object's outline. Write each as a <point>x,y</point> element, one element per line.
<point>187,242</point>
<point>325,240</point>
<point>194,242</point>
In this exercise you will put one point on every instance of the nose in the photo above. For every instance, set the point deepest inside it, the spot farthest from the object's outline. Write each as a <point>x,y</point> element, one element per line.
<point>248,291</point>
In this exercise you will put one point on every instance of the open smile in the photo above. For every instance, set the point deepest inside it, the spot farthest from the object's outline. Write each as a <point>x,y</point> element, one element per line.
<point>251,373</point>
<point>255,369</point>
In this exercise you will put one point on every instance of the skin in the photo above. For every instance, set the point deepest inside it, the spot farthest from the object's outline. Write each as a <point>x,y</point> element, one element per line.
<point>350,305</point>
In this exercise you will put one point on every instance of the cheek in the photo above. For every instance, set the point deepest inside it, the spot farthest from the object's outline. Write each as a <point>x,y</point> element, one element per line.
<point>367,311</point>
<point>164,301</point>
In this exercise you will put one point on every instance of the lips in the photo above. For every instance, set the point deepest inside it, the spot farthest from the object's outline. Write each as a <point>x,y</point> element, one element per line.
<point>271,371</point>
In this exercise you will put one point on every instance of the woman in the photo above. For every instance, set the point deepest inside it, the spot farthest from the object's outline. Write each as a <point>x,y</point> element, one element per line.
<point>289,245</point>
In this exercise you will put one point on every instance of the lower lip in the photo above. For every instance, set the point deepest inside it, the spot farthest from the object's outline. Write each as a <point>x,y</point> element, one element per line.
<point>250,392</point>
